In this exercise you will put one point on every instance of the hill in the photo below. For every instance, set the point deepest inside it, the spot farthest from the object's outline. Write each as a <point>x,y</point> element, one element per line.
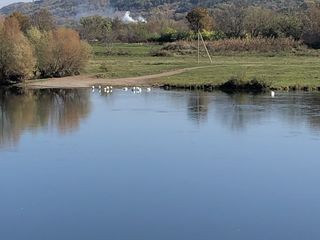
<point>74,9</point>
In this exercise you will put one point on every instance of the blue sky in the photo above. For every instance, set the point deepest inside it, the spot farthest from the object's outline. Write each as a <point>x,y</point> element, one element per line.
<point>7,2</point>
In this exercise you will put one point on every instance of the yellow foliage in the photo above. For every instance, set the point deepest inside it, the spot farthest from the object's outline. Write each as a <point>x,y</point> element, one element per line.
<point>16,54</point>
<point>59,52</point>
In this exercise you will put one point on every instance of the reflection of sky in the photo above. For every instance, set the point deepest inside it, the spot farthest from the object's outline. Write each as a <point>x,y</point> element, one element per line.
<point>7,2</point>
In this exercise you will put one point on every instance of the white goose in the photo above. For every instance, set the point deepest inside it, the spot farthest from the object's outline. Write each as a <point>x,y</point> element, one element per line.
<point>273,94</point>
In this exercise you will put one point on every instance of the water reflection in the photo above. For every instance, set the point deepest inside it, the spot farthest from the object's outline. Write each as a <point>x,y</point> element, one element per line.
<point>198,106</point>
<point>63,110</point>
<point>34,109</point>
<point>240,111</point>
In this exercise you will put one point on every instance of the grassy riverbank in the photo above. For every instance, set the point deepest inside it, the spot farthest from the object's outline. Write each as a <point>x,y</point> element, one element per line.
<point>133,64</point>
<point>280,71</point>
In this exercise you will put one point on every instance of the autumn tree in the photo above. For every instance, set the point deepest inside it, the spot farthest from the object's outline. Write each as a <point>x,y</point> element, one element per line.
<point>95,28</point>
<point>230,20</point>
<point>23,20</point>
<point>43,20</point>
<point>16,56</point>
<point>59,52</point>
<point>290,25</point>
<point>42,49</point>
<point>261,22</point>
<point>199,19</point>
<point>311,31</point>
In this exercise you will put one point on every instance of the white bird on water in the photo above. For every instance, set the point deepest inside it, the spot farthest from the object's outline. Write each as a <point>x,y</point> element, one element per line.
<point>125,89</point>
<point>136,90</point>
<point>273,94</point>
<point>148,89</point>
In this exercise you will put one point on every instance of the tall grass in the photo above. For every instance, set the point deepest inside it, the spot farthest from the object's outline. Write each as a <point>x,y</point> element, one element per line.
<point>254,45</point>
<point>250,45</point>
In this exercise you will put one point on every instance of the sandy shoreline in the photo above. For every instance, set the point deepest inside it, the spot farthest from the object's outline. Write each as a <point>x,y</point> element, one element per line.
<point>84,81</point>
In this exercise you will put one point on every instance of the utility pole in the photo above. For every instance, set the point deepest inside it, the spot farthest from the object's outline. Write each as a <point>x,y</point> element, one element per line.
<point>205,47</point>
<point>198,46</point>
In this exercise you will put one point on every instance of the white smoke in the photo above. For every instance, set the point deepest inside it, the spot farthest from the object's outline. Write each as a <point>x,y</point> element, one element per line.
<point>128,19</point>
<point>142,19</point>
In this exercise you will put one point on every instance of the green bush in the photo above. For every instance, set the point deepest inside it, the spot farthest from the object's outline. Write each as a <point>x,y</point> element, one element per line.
<point>237,83</point>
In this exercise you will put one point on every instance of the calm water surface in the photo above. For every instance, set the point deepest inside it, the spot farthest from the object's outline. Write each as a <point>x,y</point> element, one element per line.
<point>159,165</point>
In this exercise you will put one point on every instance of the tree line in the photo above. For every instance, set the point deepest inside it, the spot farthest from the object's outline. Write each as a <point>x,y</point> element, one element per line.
<point>34,47</point>
<point>228,21</point>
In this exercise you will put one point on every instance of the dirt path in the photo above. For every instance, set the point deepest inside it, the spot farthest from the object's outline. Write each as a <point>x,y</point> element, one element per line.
<point>83,81</point>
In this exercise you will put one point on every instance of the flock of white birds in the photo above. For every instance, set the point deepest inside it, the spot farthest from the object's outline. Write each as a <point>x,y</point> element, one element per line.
<point>109,89</point>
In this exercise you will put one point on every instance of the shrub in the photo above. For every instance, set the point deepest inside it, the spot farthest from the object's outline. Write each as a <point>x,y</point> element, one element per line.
<point>59,52</point>
<point>171,35</point>
<point>235,84</point>
<point>213,35</point>
<point>223,46</point>
<point>161,53</point>
<point>253,45</point>
<point>181,47</point>
<point>16,56</point>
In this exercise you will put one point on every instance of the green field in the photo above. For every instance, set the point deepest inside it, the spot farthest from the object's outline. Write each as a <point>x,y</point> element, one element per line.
<point>281,71</point>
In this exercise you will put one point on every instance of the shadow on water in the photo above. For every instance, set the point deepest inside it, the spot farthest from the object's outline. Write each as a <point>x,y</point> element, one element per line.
<point>22,109</point>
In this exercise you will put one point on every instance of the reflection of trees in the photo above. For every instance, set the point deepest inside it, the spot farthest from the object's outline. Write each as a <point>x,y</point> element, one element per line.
<point>198,106</point>
<point>240,110</point>
<point>27,109</point>
<point>68,107</point>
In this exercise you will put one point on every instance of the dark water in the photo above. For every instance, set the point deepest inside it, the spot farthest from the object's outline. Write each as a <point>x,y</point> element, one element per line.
<point>160,165</point>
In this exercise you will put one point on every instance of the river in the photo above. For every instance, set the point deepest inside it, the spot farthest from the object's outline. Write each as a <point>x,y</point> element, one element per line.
<point>159,165</point>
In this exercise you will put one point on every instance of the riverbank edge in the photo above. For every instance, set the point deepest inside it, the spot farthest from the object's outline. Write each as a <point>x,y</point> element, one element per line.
<point>86,81</point>
<point>213,87</point>
<point>165,86</point>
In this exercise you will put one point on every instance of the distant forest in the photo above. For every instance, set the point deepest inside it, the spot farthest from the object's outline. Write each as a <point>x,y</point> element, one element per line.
<point>186,5</point>
<point>67,7</point>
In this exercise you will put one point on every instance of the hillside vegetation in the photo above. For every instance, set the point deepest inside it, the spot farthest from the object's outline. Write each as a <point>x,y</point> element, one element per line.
<point>74,9</point>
